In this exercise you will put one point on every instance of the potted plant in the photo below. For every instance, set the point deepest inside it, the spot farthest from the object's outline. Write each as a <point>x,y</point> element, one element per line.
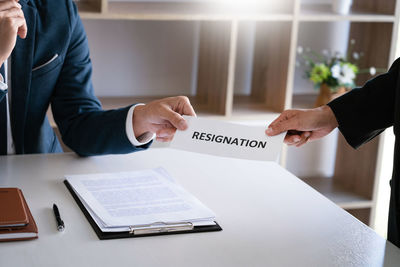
<point>332,73</point>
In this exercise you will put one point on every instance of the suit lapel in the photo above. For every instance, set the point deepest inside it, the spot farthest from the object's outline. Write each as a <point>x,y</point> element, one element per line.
<point>21,71</point>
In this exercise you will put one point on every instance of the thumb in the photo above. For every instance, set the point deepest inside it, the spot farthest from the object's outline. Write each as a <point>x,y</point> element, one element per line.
<point>187,107</point>
<point>282,124</point>
<point>175,119</point>
<point>23,31</point>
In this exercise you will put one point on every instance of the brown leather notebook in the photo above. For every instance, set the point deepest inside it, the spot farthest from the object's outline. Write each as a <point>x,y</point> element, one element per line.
<point>16,221</point>
<point>12,208</point>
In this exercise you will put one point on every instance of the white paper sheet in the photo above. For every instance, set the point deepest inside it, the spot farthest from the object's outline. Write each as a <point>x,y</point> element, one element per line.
<point>228,140</point>
<point>137,198</point>
<point>104,228</point>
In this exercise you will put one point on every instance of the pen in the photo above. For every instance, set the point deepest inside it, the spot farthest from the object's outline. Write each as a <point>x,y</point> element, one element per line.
<point>60,223</point>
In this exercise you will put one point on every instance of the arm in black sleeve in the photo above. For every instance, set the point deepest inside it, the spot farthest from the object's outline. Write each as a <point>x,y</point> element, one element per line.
<point>365,112</point>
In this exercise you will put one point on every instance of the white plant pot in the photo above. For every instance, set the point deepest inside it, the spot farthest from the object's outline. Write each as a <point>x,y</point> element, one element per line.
<point>341,6</point>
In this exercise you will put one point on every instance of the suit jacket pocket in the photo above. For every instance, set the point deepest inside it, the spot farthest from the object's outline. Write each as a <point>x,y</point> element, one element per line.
<point>49,65</point>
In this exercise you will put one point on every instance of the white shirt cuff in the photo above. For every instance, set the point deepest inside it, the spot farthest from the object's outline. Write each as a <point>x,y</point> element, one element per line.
<point>3,86</point>
<point>141,140</point>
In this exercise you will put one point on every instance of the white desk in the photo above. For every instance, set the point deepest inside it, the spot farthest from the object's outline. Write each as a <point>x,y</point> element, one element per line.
<point>269,217</point>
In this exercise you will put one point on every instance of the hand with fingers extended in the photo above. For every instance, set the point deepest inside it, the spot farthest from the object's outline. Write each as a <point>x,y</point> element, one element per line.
<point>162,117</point>
<point>12,23</point>
<point>303,125</point>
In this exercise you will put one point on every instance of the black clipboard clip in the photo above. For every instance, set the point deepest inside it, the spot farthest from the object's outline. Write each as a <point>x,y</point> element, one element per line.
<point>160,227</point>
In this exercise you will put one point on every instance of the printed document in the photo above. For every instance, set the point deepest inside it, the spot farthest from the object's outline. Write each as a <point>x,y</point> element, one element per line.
<point>228,140</point>
<point>139,199</point>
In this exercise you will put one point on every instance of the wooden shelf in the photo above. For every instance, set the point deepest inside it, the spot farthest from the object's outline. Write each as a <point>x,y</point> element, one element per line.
<point>363,214</point>
<point>244,110</point>
<point>323,12</point>
<point>304,101</point>
<point>337,193</point>
<point>247,107</point>
<point>119,102</point>
<point>197,11</point>
<point>88,8</point>
<point>185,11</point>
<point>85,7</point>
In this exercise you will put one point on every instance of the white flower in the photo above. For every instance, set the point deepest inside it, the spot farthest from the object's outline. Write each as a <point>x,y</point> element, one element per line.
<point>335,70</point>
<point>356,56</point>
<point>352,41</point>
<point>372,71</point>
<point>347,75</point>
<point>343,73</point>
<point>300,50</point>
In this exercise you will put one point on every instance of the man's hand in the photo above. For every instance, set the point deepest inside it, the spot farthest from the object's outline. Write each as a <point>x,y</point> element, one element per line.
<point>12,23</point>
<point>303,125</point>
<point>162,117</point>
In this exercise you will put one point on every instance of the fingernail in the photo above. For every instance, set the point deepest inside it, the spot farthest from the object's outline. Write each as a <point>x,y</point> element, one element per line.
<point>296,139</point>
<point>162,135</point>
<point>182,125</point>
<point>269,131</point>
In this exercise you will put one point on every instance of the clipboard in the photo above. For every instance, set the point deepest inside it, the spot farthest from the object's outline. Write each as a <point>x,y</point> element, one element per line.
<point>185,228</point>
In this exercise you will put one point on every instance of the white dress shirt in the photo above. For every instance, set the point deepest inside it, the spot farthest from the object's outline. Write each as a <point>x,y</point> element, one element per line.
<point>5,84</point>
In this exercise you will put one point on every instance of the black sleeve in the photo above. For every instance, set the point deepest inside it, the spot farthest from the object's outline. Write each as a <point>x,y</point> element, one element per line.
<point>365,112</point>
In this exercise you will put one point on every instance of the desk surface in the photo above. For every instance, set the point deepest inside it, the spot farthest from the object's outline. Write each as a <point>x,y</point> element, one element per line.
<point>269,217</point>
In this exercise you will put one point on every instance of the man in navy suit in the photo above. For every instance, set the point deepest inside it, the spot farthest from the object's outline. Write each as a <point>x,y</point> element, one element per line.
<point>44,51</point>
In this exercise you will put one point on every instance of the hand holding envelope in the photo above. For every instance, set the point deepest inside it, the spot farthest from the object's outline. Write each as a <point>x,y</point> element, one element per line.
<point>228,140</point>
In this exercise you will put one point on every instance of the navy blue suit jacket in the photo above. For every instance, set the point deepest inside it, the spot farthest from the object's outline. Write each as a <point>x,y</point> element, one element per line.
<point>54,27</point>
